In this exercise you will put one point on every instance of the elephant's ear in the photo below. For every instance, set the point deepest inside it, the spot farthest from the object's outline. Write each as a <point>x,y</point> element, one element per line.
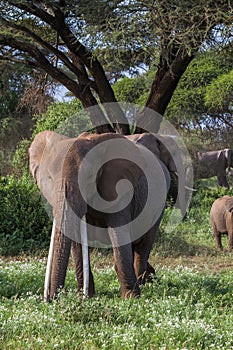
<point>36,152</point>
<point>43,143</point>
<point>169,152</point>
<point>229,204</point>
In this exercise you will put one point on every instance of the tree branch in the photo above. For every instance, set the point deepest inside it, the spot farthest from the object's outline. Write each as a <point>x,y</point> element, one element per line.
<point>41,61</point>
<point>83,78</point>
<point>103,87</point>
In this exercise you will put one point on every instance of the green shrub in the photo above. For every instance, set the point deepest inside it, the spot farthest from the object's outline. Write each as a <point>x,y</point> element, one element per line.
<point>66,118</point>
<point>20,160</point>
<point>203,199</point>
<point>129,89</point>
<point>24,223</point>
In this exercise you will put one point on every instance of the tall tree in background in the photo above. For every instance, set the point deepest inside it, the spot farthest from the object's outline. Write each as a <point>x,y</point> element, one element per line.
<point>20,98</point>
<point>79,43</point>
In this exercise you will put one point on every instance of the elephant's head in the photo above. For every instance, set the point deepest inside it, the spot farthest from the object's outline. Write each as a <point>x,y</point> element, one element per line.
<point>164,147</point>
<point>167,150</point>
<point>228,153</point>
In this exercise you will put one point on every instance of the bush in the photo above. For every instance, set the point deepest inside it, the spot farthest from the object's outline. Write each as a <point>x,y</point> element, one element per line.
<point>204,197</point>
<point>129,89</point>
<point>66,118</point>
<point>20,160</point>
<point>24,223</point>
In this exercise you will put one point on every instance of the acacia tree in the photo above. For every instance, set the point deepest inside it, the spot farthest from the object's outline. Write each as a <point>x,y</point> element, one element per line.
<point>79,43</point>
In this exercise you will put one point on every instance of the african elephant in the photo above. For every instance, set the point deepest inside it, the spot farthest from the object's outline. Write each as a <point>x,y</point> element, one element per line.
<point>215,163</point>
<point>65,172</point>
<point>221,218</point>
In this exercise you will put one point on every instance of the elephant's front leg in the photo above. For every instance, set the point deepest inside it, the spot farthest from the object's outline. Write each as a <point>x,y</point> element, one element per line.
<point>60,260</point>
<point>222,179</point>
<point>230,241</point>
<point>123,258</point>
<point>76,251</point>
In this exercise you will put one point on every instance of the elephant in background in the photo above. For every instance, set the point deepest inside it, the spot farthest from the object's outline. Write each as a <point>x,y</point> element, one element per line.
<point>221,218</point>
<point>215,163</point>
<point>57,162</point>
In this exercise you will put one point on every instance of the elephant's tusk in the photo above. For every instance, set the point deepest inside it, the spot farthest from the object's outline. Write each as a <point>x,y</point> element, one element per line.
<point>49,264</point>
<point>190,189</point>
<point>186,187</point>
<point>84,241</point>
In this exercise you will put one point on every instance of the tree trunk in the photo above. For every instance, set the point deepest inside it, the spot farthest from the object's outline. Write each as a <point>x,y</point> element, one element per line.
<point>165,82</point>
<point>163,87</point>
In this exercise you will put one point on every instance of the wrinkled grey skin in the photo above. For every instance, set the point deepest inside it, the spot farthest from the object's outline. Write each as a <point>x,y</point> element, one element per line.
<point>221,218</point>
<point>167,150</point>
<point>215,163</point>
<point>48,153</point>
<point>156,144</point>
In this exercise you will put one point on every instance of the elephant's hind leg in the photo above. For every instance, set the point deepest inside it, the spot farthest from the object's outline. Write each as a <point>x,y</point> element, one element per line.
<point>217,236</point>
<point>123,257</point>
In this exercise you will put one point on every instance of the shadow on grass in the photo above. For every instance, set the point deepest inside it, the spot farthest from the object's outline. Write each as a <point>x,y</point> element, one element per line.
<point>196,287</point>
<point>175,245</point>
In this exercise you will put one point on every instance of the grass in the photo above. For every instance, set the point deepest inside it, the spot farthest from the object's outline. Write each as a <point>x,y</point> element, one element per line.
<point>188,305</point>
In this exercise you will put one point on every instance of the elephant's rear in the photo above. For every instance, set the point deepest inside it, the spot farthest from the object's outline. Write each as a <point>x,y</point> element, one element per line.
<point>217,213</point>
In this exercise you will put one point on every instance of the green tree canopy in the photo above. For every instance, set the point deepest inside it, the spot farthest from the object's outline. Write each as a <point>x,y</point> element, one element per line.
<point>12,83</point>
<point>202,101</point>
<point>219,95</point>
<point>79,44</point>
<point>190,104</point>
